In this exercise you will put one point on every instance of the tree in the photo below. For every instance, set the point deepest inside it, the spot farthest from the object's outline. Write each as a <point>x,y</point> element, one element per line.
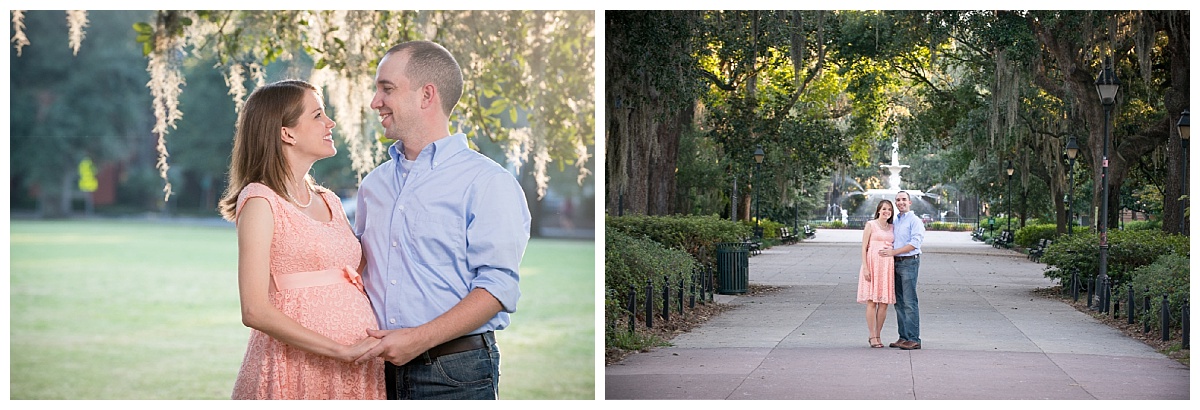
<point>540,63</point>
<point>58,118</point>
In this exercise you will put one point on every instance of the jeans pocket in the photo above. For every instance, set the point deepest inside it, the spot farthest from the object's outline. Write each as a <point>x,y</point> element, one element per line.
<point>466,368</point>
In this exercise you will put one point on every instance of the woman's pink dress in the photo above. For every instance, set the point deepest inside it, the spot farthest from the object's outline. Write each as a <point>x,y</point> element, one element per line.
<point>314,281</point>
<point>881,269</point>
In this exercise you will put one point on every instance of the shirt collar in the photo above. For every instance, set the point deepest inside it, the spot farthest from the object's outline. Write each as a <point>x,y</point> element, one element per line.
<point>433,154</point>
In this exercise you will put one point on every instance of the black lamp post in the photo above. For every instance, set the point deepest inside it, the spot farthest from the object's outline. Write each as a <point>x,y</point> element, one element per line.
<point>1072,151</point>
<point>758,159</point>
<point>1008,168</point>
<point>1184,126</point>
<point>1107,85</point>
<point>1185,132</point>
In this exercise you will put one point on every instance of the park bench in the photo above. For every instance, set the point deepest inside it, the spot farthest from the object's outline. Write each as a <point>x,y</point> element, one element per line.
<point>753,245</point>
<point>1035,253</point>
<point>1004,240</point>
<point>978,234</point>
<point>809,232</point>
<point>786,236</point>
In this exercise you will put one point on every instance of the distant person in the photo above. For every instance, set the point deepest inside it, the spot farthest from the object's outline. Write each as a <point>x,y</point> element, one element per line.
<point>876,284</point>
<point>298,260</point>
<point>443,229</point>
<point>909,232</point>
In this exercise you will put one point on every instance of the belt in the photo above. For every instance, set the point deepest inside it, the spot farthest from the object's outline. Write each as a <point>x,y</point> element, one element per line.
<point>462,344</point>
<point>900,258</point>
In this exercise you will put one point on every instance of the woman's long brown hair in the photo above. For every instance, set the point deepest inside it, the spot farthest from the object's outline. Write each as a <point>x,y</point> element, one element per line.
<point>257,148</point>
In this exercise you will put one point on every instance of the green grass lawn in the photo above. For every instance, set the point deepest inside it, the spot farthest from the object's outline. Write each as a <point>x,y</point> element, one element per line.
<point>142,310</point>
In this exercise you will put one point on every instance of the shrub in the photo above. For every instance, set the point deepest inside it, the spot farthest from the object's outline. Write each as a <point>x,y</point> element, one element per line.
<point>1030,235</point>
<point>696,235</point>
<point>770,228</point>
<point>1128,250</point>
<point>1143,225</point>
<point>632,261</point>
<point>1167,275</point>
<point>836,224</point>
<point>949,226</point>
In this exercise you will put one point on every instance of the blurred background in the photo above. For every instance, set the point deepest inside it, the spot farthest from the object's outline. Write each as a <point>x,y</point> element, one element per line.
<point>82,123</point>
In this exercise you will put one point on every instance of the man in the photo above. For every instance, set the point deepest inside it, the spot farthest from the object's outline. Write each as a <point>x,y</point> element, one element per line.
<point>909,232</point>
<point>443,230</point>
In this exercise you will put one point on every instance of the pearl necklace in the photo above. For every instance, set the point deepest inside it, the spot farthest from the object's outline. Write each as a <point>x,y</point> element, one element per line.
<point>310,198</point>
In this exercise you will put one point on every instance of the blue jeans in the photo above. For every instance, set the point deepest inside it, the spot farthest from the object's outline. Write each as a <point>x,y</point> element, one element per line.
<point>908,317</point>
<point>469,375</point>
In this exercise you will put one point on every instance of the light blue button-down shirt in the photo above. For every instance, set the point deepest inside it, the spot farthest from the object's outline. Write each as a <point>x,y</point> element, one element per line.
<point>449,222</point>
<point>908,230</point>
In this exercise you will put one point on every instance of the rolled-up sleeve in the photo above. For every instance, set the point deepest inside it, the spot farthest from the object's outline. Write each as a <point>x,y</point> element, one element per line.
<point>497,233</point>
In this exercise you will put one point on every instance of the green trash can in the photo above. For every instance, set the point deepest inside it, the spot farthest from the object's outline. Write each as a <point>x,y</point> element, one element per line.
<point>733,268</point>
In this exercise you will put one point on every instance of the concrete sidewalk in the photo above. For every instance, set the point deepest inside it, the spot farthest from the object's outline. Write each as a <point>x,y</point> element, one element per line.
<point>984,335</point>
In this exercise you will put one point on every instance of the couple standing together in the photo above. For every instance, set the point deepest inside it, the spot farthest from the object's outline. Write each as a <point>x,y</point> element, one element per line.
<point>891,256</point>
<point>404,304</point>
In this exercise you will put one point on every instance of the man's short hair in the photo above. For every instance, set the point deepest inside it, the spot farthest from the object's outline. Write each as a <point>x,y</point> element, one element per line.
<point>430,63</point>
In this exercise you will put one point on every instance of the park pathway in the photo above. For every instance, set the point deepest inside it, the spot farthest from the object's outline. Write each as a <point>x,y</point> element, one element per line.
<point>985,335</point>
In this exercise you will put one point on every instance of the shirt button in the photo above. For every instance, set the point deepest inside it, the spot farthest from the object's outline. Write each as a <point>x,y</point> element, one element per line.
<point>404,175</point>
<point>435,163</point>
<point>393,282</point>
<point>401,207</point>
<point>394,244</point>
<point>392,321</point>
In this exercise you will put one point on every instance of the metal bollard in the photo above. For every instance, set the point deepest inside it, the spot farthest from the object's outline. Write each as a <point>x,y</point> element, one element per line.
<point>1166,319</point>
<point>666,310</point>
<point>1184,317</point>
<point>692,294</point>
<point>680,298</point>
<point>632,308</point>
<point>1129,314</point>
<point>1075,285</point>
<point>1146,309</point>
<point>649,304</point>
<point>1105,287</point>
<point>1092,282</point>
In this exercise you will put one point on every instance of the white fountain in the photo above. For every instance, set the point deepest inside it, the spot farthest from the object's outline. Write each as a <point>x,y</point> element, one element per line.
<point>871,197</point>
<point>893,178</point>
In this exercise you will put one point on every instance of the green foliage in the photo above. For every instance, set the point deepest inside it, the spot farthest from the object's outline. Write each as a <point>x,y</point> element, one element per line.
<point>65,106</point>
<point>1143,225</point>
<point>1030,235</point>
<point>696,235</point>
<point>1128,251</point>
<point>770,228</point>
<point>1169,275</point>
<point>633,262</point>
<point>949,226</point>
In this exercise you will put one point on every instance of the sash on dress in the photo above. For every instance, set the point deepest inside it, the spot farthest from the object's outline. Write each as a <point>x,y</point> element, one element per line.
<point>318,278</point>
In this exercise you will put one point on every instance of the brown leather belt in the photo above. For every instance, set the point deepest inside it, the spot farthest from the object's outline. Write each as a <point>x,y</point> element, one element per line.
<point>462,344</point>
<point>900,258</point>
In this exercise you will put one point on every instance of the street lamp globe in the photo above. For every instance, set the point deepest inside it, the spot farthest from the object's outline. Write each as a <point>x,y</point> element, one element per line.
<point>1072,149</point>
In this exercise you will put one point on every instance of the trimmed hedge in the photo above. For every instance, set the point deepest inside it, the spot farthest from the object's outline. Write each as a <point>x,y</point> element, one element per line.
<point>1030,235</point>
<point>1143,225</point>
<point>1127,251</point>
<point>696,235</point>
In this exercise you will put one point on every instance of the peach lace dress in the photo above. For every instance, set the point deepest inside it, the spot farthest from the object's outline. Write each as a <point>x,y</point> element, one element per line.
<point>314,282</point>
<point>881,269</point>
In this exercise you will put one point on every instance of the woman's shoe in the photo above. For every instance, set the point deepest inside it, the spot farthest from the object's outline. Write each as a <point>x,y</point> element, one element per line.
<point>876,344</point>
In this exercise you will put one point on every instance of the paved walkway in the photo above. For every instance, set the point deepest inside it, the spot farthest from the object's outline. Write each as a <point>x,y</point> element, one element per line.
<point>984,334</point>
